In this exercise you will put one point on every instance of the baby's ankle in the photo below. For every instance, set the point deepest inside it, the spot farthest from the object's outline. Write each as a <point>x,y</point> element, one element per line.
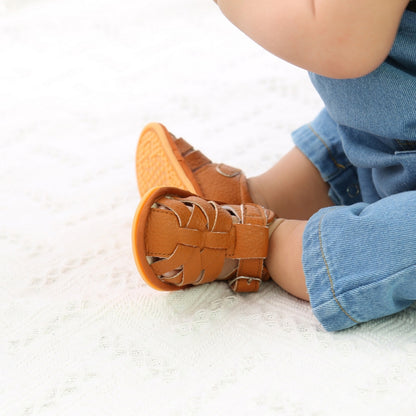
<point>257,192</point>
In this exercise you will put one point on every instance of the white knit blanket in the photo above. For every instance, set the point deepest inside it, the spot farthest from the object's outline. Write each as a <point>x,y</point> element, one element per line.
<point>80,332</point>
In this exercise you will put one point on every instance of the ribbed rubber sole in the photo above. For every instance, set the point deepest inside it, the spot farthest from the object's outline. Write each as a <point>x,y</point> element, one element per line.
<point>158,162</point>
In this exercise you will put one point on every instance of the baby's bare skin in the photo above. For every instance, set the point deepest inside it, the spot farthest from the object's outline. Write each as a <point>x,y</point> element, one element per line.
<point>337,39</point>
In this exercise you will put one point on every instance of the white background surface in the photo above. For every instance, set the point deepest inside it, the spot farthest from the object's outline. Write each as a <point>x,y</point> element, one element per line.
<point>80,333</point>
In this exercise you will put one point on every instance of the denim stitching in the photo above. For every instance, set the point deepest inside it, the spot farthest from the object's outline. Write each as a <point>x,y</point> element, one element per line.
<point>405,145</point>
<point>331,156</point>
<point>329,273</point>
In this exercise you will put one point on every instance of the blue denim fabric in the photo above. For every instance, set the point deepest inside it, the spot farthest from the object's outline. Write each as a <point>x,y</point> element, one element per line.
<point>359,257</point>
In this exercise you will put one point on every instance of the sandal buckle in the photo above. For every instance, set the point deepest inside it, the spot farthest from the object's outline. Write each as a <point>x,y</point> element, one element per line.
<point>246,285</point>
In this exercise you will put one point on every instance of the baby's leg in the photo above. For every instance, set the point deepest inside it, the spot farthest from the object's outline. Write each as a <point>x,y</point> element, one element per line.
<point>284,260</point>
<point>293,188</point>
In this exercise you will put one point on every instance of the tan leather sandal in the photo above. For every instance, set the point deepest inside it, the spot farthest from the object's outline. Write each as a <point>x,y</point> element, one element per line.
<point>164,160</point>
<point>181,240</point>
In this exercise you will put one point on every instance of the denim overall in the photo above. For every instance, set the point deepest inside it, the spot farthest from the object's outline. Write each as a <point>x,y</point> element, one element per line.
<point>359,257</point>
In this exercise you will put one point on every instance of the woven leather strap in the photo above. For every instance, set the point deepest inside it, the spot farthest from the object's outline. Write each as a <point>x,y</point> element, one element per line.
<point>194,237</point>
<point>215,181</point>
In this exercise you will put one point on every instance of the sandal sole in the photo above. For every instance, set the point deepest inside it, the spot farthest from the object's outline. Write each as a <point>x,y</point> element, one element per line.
<point>160,163</point>
<point>138,237</point>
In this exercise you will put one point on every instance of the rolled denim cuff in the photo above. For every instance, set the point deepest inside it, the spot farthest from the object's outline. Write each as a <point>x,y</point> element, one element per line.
<point>359,261</point>
<point>319,141</point>
<point>319,279</point>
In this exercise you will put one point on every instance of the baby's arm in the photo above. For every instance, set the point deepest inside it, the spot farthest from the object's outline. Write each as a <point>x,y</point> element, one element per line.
<point>335,38</point>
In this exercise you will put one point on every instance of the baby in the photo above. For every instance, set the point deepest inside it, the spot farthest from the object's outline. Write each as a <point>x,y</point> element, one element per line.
<point>334,221</point>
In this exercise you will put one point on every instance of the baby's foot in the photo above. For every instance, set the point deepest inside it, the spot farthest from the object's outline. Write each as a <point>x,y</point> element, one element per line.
<point>164,160</point>
<point>180,240</point>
